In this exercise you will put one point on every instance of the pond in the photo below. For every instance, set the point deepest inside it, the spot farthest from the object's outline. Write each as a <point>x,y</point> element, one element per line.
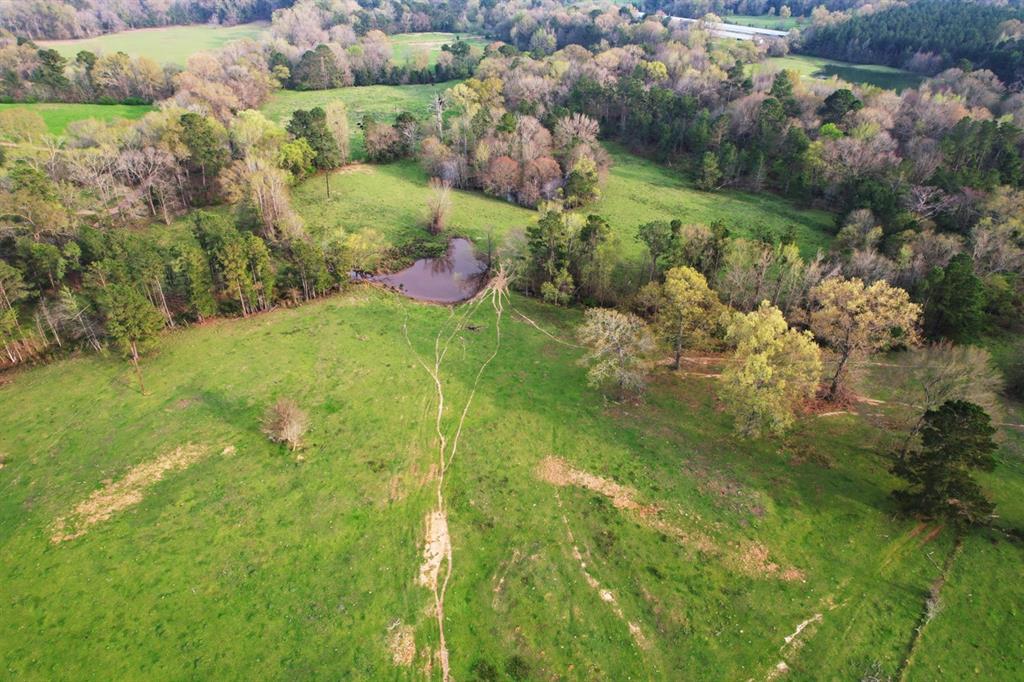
<point>452,278</point>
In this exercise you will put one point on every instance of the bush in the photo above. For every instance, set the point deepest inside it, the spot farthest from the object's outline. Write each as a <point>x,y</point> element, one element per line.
<point>285,423</point>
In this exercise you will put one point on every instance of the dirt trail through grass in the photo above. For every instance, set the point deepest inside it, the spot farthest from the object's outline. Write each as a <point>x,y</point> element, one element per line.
<point>437,550</point>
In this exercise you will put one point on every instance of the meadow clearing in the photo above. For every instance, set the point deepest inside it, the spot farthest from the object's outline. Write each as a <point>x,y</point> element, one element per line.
<point>392,198</point>
<point>589,540</point>
<point>765,21</point>
<point>164,45</point>
<point>384,102</point>
<point>57,115</point>
<point>406,47</point>
<point>885,77</point>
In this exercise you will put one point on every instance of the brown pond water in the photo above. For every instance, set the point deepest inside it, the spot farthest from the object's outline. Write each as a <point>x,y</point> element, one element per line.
<point>452,278</point>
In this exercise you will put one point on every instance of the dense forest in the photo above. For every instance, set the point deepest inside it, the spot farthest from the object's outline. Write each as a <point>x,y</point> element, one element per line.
<point>698,8</point>
<point>931,34</point>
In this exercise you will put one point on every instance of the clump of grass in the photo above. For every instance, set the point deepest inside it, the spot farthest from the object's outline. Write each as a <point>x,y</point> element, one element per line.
<point>284,422</point>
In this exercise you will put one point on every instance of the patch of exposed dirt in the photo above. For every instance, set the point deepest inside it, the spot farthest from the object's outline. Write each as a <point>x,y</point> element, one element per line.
<point>754,559</point>
<point>932,534</point>
<point>436,548</point>
<point>751,559</point>
<point>401,643</point>
<point>557,472</point>
<point>119,495</point>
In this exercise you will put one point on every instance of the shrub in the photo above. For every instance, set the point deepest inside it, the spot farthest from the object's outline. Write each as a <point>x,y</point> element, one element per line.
<point>285,423</point>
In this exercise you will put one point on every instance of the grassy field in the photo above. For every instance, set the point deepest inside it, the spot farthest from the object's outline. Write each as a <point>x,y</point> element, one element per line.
<point>165,45</point>
<point>392,199</point>
<point>250,563</point>
<point>57,115</point>
<point>859,74</point>
<point>407,46</point>
<point>764,21</point>
<point>383,101</point>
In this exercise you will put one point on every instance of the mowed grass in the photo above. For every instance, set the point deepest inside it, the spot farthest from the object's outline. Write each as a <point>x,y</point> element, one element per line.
<point>57,116</point>
<point>384,102</point>
<point>406,47</point>
<point>885,77</point>
<point>392,198</point>
<point>252,564</point>
<point>164,45</point>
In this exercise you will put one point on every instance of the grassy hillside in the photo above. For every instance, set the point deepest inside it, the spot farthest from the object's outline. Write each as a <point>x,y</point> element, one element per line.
<point>859,74</point>
<point>165,45</point>
<point>392,199</point>
<point>58,115</point>
<point>407,46</point>
<point>249,563</point>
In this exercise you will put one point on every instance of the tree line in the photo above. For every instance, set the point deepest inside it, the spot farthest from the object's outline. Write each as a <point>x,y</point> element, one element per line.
<point>936,34</point>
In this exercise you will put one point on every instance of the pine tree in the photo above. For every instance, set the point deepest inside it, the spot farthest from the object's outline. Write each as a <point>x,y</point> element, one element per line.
<point>133,323</point>
<point>956,439</point>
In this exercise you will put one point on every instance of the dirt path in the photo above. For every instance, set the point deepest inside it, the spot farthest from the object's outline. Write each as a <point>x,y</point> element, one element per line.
<point>437,549</point>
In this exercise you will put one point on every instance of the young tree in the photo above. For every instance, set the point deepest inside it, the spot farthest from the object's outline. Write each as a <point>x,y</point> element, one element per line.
<point>956,438</point>
<point>658,238</point>
<point>688,311</point>
<point>710,176</point>
<point>133,323</point>
<point>857,320</point>
<point>581,187</point>
<point>617,343</point>
<point>284,422</point>
<point>774,369</point>
<point>312,126</point>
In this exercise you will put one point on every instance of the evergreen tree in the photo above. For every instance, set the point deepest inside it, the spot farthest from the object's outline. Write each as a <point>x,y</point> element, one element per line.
<point>710,176</point>
<point>954,301</point>
<point>133,323</point>
<point>956,439</point>
<point>208,151</point>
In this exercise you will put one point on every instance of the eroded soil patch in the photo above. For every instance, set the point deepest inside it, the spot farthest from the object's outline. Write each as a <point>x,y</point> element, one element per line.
<point>751,559</point>
<point>124,493</point>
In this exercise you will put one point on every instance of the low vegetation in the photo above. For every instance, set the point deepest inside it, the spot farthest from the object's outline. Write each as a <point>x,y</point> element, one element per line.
<point>232,526</point>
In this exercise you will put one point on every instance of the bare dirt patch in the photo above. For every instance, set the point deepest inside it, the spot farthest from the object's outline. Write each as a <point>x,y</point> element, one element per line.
<point>401,643</point>
<point>751,559</point>
<point>557,472</point>
<point>754,559</point>
<point>437,547</point>
<point>354,168</point>
<point>117,496</point>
